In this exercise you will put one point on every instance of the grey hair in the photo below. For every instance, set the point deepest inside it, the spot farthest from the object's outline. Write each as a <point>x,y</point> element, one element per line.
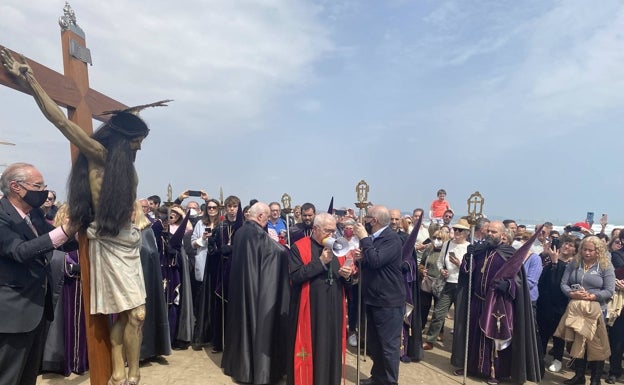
<point>18,172</point>
<point>480,223</point>
<point>257,209</point>
<point>349,222</point>
<point>381,214</point>
<point>321,218</point>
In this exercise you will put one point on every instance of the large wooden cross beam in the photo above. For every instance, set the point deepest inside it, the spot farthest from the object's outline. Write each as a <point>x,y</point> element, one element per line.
<point>71,90</point>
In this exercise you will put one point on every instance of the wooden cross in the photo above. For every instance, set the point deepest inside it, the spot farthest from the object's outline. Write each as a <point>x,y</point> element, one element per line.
<point>71,90</point>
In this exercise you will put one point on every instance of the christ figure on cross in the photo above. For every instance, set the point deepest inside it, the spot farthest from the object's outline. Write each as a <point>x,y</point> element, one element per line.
<point>103,207</point>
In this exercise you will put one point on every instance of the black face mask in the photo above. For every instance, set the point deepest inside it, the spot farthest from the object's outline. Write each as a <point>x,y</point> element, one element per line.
<point>369,228</point>
<point>35,198</point>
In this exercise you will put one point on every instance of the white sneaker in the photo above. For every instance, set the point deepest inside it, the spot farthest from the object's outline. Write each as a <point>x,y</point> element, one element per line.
<point>352,340</point>
<point>555,366</point>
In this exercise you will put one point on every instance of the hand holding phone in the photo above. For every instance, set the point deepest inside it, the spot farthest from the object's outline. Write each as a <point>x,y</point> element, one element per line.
<point>590,218</point>
<point>575,287</point>
<point>453,258</point>
<point>194,193</point>
<point>604,219</point>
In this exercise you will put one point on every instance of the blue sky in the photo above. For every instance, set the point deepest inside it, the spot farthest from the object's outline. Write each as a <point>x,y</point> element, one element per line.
<point>521,101</point>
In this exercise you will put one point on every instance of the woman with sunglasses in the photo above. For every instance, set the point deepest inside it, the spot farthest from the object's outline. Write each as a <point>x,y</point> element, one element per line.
<point>203,242</point>
<point>450,259</point>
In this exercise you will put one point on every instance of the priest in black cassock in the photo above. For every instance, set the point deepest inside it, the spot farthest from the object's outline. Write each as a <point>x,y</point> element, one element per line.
<point>317,308</point>
<point>257,311</point>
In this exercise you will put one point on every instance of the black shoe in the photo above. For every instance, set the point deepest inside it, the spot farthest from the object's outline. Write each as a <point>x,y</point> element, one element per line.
<point>368,381</point>
<point>197,347</point>
<point>180,346</point>
<point>611,379</point>
<point>578,379</point>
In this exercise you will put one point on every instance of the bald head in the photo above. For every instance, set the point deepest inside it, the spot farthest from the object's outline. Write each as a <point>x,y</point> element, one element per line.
<point>395,219</point>
<point>495,233</point>
<point>379,217</point>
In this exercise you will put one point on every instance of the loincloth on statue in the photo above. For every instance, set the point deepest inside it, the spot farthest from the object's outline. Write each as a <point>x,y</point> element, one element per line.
<point>116,275</point>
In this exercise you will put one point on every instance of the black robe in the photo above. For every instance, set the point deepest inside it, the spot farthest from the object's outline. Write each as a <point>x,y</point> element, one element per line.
<point>257,312</point>
<point>219,263</point>
<point>298,231</point>
<point>156,339</point>
<point>327,318</point>
<point>206,303</point>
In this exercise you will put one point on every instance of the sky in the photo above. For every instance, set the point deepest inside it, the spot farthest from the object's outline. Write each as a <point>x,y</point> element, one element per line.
<point>519,100</point>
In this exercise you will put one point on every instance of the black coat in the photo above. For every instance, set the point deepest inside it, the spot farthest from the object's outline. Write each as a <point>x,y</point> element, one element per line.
<point>24,269</point>
<point>257,312</point>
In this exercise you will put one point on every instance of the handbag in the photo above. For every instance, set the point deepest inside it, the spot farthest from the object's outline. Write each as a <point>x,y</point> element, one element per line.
<point>437,286</point>
<point>426,284</point>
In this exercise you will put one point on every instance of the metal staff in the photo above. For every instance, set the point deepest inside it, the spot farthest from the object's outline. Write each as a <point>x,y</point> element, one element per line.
<point>475,212</point>
<point>222,214</point>
<point>288,210</point>
<point>361,190</point>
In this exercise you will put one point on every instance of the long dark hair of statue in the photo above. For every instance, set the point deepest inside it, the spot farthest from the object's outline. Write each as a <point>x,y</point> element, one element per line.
<point>118,191</point>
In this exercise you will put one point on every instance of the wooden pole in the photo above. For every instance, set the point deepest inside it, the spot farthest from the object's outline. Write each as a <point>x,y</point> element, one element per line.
<point>75,57</point>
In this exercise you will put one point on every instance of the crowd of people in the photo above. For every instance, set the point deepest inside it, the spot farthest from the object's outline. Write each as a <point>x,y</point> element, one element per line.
<point>217,277</point>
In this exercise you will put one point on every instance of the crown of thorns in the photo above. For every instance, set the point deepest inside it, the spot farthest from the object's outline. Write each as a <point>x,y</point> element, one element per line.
<point>127,122</point>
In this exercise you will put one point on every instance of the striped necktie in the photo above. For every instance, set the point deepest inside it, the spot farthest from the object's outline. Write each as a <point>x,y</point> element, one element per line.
<point>30,224</point>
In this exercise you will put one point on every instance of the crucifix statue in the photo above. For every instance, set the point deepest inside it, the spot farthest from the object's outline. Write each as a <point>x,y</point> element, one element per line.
<point>103,206</point>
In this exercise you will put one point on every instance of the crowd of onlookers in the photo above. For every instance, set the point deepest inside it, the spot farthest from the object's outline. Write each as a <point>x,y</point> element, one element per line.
<point>189,243</point>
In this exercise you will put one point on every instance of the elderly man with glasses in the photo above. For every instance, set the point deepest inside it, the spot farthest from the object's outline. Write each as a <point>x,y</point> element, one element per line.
<point>317,307</point>
<point>26,244</point>
<point>384,294</point>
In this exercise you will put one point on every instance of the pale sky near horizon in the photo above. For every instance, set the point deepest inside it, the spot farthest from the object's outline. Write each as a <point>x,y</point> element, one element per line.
<point>520,100</point>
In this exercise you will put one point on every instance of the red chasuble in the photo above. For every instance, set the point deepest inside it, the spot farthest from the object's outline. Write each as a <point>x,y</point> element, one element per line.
<point>304,365</point>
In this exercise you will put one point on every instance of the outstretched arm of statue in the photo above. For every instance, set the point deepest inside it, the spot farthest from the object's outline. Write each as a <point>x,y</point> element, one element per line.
<point>76,135</point>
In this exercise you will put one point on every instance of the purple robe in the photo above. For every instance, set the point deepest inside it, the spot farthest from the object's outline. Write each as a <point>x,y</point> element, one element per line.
<point>518,358</point>
<point>74,325</point>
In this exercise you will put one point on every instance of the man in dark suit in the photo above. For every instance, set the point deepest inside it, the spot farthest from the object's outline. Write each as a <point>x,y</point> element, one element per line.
<point>26,244</point>
<point>380,262</point>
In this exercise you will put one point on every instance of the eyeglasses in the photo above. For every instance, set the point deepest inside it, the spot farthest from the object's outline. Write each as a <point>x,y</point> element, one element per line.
<point>50,198</point>
<point>212,207</point>
<point>327,231</point>
<point>37,186</point>
<point>617,242</point>
<point>457,230</point>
